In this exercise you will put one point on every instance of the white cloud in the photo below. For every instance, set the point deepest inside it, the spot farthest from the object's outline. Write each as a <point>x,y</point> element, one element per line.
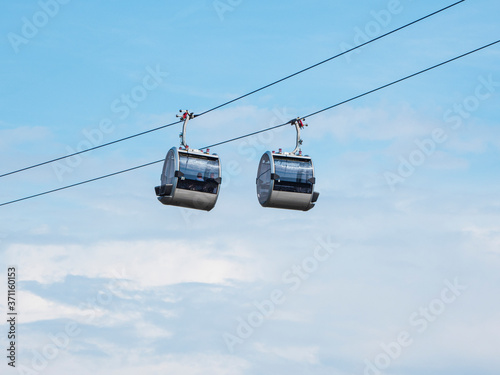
<point>150,331</point>
<point>485,238</point>
<point>120,361</point>
<point>300,354</point>
<point>149,263</point>
<point>381,123</point>
<point>22,135</point>
<point>35,308</point>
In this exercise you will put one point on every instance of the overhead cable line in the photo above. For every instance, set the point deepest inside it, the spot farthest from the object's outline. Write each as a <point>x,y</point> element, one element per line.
<point>89,149</point>
<point>235,99</point>
<point>333,57</point>
<point>263,130</point>
<point>357,96</point>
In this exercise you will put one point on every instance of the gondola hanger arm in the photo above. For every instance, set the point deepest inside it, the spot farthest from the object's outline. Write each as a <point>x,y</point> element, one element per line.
<point>299,124</point>
<point>185,116</point>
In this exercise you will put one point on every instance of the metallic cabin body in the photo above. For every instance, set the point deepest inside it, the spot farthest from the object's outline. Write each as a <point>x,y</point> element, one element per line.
<point>286,181</point>
<point>190,178</point>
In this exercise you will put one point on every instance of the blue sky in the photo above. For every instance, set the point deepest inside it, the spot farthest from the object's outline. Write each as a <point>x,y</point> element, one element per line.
<point>395,270</point>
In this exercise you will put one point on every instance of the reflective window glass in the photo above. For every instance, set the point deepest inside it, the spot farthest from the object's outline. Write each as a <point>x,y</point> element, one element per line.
<point>200,173</point>
<point>294,175</point>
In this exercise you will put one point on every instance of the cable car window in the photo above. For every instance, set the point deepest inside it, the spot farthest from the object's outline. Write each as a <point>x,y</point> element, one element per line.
<point>264,179</point>
<point>169,168</point>
<point>199,173</point>
<point>294,175</point>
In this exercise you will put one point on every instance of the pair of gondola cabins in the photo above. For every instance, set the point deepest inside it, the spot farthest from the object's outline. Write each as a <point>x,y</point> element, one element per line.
<point>191,178</point>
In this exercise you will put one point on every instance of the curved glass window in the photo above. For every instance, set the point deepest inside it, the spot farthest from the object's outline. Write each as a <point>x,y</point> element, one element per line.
<point>199,173</point>
<point>168,168</point>
<point>293,175</point>
<point>264,179</point>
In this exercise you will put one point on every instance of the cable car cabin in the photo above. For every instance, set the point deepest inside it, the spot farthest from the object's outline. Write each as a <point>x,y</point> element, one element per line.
<point>286,181</point>
<point>190,178</point>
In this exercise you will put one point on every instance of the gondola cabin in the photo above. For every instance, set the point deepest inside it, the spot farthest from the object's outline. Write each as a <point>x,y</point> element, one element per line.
<point>286,180</point>
<point>190,178</point>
